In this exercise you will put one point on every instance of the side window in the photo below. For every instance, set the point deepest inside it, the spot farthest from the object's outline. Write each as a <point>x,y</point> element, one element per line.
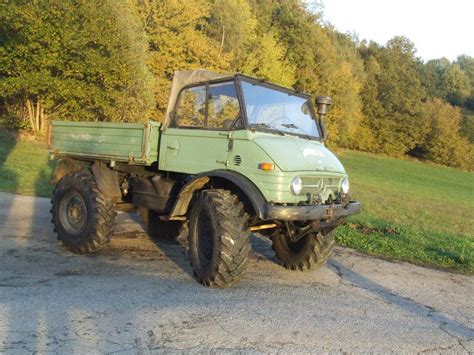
<point>191,111</point>
<point>223,106</point>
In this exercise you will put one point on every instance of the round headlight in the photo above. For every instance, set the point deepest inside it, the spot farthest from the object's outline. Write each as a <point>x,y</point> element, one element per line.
<point>296,185</point>
<point>345,186</point>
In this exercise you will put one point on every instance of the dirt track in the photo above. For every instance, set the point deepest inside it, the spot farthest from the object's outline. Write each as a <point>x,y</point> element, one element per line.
<point>138,296</point>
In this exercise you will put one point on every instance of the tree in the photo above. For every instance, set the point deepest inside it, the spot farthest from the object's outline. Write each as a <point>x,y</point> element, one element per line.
<point>233,25</point>
<point>266,60</point>
<point>74,60</point>
<point>348,121</point>
<point>324,65</point>
<point>456,85</point>
<point>446,80</point>
<point>178,41</point>
<point>393,96</point>
<point>466,63</point>
<point>443,143</point>
<point>453,82</point>
<point>372,108</point>
<point>255,50</point>
<point>307,45</point>
<point>113,60</point>
<point>467,125</point>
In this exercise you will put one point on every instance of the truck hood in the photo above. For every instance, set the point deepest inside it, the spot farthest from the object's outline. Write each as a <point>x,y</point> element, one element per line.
<point>297,154</point>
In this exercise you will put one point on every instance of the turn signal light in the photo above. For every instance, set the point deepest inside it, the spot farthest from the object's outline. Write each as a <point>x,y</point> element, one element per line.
<point>266,166</point>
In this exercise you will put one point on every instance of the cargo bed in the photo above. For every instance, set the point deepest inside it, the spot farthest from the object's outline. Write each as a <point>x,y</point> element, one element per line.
<point>135,143</point>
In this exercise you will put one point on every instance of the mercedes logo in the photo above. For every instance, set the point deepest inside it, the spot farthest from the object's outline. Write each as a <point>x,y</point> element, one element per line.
<point>321,185</point>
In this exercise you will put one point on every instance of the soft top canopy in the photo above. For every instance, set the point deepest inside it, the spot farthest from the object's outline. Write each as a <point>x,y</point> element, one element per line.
<point>184,78</point>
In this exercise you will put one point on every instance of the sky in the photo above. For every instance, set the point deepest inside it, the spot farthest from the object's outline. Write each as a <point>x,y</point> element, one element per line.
<point>437,28</point>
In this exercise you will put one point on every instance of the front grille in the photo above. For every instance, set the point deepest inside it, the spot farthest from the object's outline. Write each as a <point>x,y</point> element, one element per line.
<point>322,189</point>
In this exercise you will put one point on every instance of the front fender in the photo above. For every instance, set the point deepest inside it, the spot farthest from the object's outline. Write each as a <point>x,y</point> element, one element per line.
<point>185,195</point>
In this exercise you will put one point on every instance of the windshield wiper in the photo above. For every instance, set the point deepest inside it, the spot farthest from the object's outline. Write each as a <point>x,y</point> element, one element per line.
<point>290,125</point>
<point>266,125</point>
<point>293,126</point>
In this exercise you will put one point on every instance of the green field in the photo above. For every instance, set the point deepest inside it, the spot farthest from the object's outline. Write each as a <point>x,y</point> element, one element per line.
<point>24,165</point>
<point>411,211</point>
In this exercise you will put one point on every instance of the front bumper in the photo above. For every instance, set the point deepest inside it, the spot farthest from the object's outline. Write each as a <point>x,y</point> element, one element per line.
<point>311,213</point>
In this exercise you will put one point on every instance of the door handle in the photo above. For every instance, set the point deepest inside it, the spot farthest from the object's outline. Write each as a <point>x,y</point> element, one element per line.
<point>226,134</point>
<point>225,162</point>
<point>173,145</point>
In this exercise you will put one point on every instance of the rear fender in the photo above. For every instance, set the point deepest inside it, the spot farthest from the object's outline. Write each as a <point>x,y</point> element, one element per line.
<point>65,166</point>
<point>107,180</point>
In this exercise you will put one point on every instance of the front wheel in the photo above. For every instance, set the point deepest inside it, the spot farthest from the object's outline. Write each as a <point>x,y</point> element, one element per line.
<point>218,236</point>
<point>308,253</point>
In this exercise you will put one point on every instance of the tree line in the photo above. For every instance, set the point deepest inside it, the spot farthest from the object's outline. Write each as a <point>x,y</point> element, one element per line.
<point>113,60</point>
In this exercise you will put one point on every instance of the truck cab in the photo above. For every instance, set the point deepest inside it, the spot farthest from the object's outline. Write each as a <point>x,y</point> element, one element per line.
<point>234,155</point>
<point>266,134</point>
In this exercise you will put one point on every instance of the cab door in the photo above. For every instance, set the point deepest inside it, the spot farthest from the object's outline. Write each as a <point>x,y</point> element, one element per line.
<point>198,138</point>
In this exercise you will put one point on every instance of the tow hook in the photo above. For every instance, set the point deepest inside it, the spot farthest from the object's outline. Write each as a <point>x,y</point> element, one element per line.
<point>296,233</point>
<point>330,211</point>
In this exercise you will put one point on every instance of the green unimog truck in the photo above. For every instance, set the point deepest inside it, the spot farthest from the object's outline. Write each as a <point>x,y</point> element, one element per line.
<point>235,155</point>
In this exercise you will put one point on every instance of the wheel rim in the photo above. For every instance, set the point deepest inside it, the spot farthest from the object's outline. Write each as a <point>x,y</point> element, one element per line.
<point>73,213</point>
<point>205,239</point>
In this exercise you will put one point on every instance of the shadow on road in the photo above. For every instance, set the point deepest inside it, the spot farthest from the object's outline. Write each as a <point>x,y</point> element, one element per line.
<point>409,305</point>
<point>177,250</point>
<point>129,298</point>
<point>8,178</point>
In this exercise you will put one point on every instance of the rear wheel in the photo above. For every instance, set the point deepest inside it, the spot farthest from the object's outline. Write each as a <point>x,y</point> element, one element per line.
<point>218,236</point>
<point>82,216</point>
<point>158,229</point>
<point>307,253</point>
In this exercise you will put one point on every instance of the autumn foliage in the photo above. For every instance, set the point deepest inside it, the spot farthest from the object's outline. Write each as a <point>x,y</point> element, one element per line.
<point>113,60</point>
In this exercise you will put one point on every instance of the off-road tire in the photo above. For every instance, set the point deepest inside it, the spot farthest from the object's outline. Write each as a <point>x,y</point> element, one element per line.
<point>219,238</point>
<point>158,229</point>
<point>99,220</point>
<point>308,253</point>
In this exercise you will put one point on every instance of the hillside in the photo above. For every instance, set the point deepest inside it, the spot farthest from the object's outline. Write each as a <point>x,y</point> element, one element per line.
<point>411,211</point>
<point>24,165</point>
<point>118,66</point>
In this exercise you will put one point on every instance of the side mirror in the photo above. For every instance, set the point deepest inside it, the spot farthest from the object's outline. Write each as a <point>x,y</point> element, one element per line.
<point>322,104</point>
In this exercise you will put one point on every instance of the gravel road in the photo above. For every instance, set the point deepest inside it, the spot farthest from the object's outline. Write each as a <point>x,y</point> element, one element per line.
<point>138,296</point>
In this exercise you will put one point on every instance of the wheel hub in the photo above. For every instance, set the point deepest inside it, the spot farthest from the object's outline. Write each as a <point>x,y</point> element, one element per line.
<point>73,213</point>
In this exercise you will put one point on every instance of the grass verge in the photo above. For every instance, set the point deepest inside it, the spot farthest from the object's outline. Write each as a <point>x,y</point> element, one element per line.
<point>24,165</point>
<point>412,211</point>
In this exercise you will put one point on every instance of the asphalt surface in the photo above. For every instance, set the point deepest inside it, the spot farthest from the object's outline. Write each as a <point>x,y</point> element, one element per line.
<point>138,296</point>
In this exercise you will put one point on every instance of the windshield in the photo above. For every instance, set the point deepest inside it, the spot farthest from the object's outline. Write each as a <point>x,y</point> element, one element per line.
<point>278,110</point>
